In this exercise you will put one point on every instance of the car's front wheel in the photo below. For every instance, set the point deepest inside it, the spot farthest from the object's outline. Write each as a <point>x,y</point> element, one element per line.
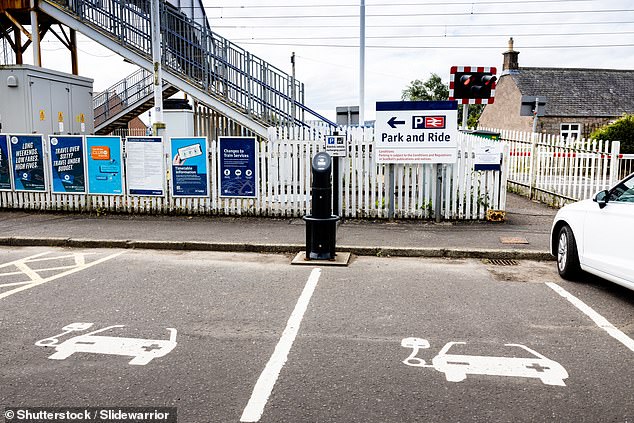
<point>567,255</point>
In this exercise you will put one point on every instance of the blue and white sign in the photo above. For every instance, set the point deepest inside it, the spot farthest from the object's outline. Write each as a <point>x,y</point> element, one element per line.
<point>5,164</point>
<point>416,132</point>
<point>145,166</point>
<point>190,175</point>
<point>105,165</point>
<point>336,145</point>
<point>238,176</point>
<point>27,162</point>
<point>68,174</point>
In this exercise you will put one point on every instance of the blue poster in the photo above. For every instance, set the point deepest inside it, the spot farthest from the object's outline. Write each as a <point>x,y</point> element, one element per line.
<point>104,161</point>
<point>189,167</point>
<point>237,167</point>
<point>5,164</point>
<point>27,160</point>
<point>68,175</point>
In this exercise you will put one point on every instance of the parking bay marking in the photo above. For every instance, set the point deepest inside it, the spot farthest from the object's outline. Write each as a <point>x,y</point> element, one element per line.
<point>264,386</point>
<point>599,320</point>
<point>456,367</point>
<point>36,279</point>
<point>142,351</point>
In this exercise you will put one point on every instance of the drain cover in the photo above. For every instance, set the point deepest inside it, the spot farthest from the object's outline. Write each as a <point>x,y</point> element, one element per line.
<point>513,240</point>
<point>501,262</point>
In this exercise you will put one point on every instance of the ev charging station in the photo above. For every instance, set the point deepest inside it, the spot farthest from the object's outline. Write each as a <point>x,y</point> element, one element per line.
<point>321,224</point>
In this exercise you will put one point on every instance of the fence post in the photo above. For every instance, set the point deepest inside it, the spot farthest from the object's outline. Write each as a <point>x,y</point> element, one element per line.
<point>532,175</point>
<point>614,162</point>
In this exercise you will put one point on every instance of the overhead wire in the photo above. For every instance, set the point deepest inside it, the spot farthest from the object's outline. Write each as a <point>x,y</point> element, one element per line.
<point>434,36</point>
<point>397,15</point>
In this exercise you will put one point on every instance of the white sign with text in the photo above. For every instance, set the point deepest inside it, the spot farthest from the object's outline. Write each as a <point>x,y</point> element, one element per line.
<point>416,132</point>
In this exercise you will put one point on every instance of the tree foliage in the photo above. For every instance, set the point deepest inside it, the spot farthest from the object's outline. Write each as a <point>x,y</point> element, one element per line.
<point>431,90</point>
<point>620,130</point>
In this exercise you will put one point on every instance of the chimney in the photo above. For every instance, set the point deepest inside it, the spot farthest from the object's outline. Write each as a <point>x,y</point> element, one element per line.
<point>510,58</point>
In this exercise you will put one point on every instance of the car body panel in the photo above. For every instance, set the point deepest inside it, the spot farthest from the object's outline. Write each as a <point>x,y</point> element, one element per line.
<point>604,237</point>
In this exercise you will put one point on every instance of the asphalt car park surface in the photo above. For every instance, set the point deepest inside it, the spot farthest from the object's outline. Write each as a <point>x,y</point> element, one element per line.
<point>348,332</point>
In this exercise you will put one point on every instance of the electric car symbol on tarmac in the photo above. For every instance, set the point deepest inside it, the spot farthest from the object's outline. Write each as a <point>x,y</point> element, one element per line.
<point>142,351</point>
<point>456,367</point>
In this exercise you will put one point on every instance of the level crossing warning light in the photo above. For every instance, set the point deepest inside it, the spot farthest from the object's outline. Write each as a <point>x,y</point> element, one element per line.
<point>472,85</point>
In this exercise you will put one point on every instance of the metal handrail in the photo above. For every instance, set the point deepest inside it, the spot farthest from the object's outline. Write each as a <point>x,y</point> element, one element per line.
<point>122,95</point>
<point>205,59</point>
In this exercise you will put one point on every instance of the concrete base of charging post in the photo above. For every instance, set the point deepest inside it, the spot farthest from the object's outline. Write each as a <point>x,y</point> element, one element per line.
<point>341,259</point>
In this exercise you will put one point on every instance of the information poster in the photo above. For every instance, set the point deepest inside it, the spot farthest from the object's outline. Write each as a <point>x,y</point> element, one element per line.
<point>5,164</point>
<point>145,166</point>
<point>27,161</point>
<point>68,174</point>
<point>238,176</point>
<point>189,167</point>
<point>105,164</point>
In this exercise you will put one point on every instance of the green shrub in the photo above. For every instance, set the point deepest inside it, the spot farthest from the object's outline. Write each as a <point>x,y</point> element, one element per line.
<point>620,130</point>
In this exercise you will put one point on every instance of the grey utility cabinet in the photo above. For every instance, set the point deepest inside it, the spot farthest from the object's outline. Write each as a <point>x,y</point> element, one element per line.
<point>44,101</point>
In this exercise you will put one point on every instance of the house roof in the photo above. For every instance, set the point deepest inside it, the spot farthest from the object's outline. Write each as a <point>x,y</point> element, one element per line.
<point>579,92</point>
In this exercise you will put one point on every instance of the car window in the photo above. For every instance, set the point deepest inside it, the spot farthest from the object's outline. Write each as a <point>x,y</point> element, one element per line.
<point>623,192</point>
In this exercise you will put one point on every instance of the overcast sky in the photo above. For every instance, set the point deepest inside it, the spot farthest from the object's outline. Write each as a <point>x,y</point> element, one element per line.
<point>405,39</point>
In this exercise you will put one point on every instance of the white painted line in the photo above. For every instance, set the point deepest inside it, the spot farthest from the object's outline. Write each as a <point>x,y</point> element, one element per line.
<point>264,386</point>
<point>600,321</point>
<point>15,283</point>
<point>60,257</point>
<point>11,273</point>
<point>59,275</point>
<point>22,260</point>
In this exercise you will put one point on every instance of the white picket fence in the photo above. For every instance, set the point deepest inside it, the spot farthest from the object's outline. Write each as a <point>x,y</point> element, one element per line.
<point>283,163</point>
<point>557,171</point>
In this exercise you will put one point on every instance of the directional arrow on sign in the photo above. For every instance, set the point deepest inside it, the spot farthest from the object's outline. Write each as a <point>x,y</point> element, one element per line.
<point>393,122</point>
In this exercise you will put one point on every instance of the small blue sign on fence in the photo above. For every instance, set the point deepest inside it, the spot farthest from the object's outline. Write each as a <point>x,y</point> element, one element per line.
<point>27,161</point>
<point>238,172</point>
<point>5,164</point>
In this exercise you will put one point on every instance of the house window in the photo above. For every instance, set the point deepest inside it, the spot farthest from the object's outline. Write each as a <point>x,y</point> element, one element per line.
<point>570,130</point>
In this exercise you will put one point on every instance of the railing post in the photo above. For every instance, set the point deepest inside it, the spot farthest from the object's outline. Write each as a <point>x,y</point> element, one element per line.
<point>615,150</point>
<point>532,175</point>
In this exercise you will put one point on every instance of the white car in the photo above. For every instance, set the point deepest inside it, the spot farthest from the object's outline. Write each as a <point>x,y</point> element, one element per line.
<point>597,236</point>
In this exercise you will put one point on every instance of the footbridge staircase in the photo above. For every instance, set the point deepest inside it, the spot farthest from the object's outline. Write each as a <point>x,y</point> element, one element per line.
<point>195,60</point>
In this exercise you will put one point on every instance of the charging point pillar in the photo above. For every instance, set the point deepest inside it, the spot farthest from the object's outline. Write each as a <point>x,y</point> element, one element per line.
<point>321,224</point>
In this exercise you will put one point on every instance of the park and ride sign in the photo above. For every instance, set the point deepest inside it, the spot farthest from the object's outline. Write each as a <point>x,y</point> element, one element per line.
<point>416,132</point>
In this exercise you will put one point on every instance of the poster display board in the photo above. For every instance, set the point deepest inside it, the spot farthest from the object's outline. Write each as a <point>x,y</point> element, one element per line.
<point>190,167</point>
<point>238,172</point>
<point>27,162</point>
<point>67,164</point>
<point>145,166</point>
<point>5,164</point>
<point>105,164</point>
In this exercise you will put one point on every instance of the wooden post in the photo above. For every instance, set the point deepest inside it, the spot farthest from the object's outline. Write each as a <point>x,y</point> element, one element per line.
<point>73,51</point>
<point>17,35</point>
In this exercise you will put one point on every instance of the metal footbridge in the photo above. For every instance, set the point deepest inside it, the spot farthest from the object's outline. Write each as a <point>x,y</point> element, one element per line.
<point>195,60</point>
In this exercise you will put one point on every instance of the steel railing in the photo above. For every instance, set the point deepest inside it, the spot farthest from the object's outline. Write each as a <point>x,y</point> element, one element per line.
<point>203,58</point>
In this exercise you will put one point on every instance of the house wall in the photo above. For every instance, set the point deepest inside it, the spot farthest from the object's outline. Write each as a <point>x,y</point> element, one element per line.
<point>504,113</point>
<point>552,125</point>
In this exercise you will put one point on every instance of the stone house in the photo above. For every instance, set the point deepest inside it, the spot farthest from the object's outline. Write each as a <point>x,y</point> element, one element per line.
<point>572,102</point>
